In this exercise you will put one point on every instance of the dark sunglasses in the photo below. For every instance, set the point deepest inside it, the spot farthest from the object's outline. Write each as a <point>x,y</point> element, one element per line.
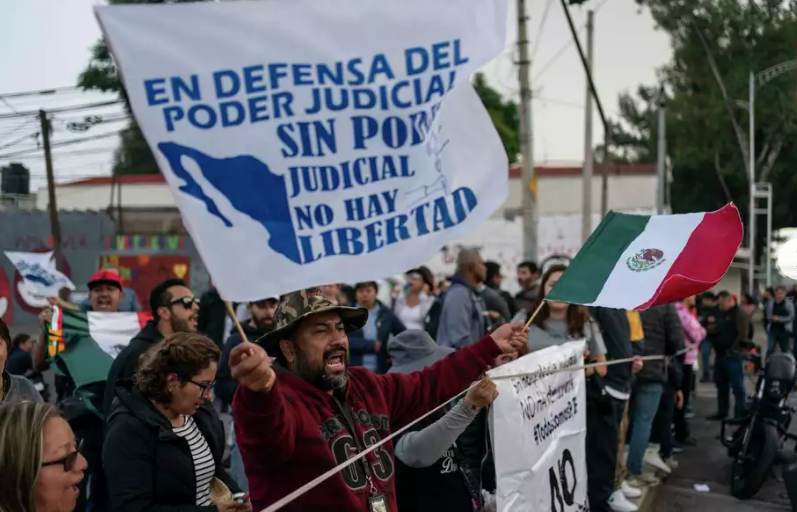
<point>70,460</point>
<point>204,387</point>
<point>186,302</point>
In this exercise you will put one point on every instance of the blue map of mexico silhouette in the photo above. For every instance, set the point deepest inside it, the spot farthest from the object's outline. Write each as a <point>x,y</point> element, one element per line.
<point>255,192</point>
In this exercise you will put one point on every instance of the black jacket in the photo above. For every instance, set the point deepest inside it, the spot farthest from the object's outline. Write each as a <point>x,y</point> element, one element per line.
<point>387,324</point>
<point>663,336</point>
<point>442,486</point>
<point>477,451</point>
<point>494,301</point>
<point>126,363</point>
<point>617,336</point>
<point>225,385</point>
<point>732,327</point>
<point>212,316</point>
<point>149,468</point>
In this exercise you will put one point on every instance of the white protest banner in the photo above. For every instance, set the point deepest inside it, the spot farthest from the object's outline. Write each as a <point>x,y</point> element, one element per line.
<point>539,426</point>
<point>311,141</point>
<point>40,279</point>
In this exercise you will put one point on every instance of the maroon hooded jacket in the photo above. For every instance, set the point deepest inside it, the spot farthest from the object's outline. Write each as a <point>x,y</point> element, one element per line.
<point>296,432</point>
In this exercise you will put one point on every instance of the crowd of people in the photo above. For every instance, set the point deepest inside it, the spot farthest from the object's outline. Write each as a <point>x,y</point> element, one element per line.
<point>315,376</point>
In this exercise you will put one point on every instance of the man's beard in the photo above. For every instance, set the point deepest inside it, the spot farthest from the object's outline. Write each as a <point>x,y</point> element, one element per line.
<point>180,324</point>
<point>317,376</point>
<point>263,324</point>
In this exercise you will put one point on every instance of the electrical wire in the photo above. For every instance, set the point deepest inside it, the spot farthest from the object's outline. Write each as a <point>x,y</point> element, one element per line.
<point>42,92</point>
<point>19,140</point>
<point>71,108</point>
<point>62,144</point>
<point>9,105</point>
<point>570,42</point>
<point>18,128</point>
<point>538,38</point>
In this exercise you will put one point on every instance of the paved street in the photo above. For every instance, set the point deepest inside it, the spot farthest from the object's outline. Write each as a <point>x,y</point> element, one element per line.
<point>708,463</point>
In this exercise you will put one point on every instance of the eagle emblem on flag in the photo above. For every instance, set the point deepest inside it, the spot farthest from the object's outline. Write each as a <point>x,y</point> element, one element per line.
<point>645,260</point>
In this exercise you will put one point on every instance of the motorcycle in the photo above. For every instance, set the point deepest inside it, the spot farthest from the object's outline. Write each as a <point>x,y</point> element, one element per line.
<point>758,437</point>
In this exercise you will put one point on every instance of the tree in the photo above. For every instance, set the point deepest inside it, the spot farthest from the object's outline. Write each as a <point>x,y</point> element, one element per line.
<point>504,114</point>
<point>715,45</point>
<point>133,156</point>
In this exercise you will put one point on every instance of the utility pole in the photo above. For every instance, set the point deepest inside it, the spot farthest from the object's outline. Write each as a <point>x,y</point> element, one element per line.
<point>661,162</point>
<point>529,204</point>
<point>751,170</point>
<point>589,159</point>
<point>55,226</point>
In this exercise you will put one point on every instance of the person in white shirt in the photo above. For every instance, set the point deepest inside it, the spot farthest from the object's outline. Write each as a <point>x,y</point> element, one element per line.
<point>412,306</point>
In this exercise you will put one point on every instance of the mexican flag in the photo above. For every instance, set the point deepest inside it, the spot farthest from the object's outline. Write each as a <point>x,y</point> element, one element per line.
<point>87,342</point>
<point>641,261</point>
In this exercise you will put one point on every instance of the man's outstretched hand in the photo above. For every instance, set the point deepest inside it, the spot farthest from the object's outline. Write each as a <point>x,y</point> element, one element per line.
<point>510,337</point>
<point>251,367</point>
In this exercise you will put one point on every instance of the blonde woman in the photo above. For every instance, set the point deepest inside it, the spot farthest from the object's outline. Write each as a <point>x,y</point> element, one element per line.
<point>40,461</point>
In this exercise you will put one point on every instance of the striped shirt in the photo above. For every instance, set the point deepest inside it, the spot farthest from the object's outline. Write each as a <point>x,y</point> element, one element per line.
<point>204,465</point>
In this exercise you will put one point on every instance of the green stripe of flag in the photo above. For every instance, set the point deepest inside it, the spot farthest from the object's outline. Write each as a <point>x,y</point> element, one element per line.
<point>593,264</point>
<point>86,361</point>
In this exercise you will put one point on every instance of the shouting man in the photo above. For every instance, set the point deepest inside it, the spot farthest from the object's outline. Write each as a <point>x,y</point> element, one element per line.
<point>312,412</point>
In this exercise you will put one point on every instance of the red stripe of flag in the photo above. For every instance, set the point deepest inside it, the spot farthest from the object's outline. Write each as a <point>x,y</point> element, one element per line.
<point>704,260</point>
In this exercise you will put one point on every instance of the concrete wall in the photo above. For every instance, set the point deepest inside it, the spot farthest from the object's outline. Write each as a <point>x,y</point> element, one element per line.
<point>562,194</point>
<point>89,242</point>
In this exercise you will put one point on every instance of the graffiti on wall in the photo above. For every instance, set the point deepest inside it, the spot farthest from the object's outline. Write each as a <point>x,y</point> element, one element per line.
<point>143,272</point>
<point>89,239</point>
<point>6,305</point>
<point>149,243</point>
<point>37,243</point>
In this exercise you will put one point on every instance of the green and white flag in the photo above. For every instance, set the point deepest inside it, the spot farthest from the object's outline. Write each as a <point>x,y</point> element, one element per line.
<point>87,341</point>
<point>641,261</point>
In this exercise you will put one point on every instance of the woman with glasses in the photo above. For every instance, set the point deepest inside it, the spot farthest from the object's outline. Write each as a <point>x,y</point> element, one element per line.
<point>40,461</point>
<point>164,440</point>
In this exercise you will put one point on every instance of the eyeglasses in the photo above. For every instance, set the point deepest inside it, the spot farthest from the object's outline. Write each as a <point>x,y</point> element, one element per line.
<point>186,302</point>
<point>205,387</point>
<point>70,460</point>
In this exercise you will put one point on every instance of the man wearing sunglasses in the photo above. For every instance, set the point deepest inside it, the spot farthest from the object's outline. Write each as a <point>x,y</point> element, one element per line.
<point>174,309</point>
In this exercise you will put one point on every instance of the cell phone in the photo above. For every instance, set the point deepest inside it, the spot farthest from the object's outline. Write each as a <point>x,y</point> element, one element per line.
<point>238,497</point>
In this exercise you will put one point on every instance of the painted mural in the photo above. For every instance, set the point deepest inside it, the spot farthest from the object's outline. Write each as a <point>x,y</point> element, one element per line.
<point>89,242</point>
<point>143,272</point>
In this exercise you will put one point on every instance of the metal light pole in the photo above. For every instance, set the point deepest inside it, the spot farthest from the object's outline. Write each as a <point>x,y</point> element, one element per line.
<point>759,80</point>
<point>662,153</point>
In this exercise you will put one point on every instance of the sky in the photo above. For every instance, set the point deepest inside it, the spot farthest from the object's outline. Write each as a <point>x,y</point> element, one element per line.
<point>46,44</point>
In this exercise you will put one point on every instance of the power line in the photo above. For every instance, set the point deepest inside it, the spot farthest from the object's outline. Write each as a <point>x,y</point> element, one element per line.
<point>570,42</point>
<point>73,108</point>
<point>65,154</point>
<point>16,129</point>
<point>9,105</point>
<point>21,139</point>
<point>541,30</point>
<point>62,144</point>
<point>42,92</point>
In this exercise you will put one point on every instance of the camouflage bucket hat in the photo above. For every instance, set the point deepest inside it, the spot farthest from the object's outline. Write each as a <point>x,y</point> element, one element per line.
<point>302,304</point>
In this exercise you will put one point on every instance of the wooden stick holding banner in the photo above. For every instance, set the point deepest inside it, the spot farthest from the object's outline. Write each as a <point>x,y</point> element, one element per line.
<point>531,318</point>
<point>238,326</point>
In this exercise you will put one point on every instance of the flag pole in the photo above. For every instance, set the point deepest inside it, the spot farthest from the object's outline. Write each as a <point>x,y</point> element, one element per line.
<point>235,320</point>
<point>531,318</point>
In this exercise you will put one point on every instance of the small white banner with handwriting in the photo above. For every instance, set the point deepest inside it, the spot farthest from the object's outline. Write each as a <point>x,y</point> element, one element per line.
<point>311,141</point>
<point>40,279</point>
<point>539,427</point>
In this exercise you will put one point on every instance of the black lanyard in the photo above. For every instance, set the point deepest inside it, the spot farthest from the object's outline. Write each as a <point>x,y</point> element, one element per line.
<point>349,417</point>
